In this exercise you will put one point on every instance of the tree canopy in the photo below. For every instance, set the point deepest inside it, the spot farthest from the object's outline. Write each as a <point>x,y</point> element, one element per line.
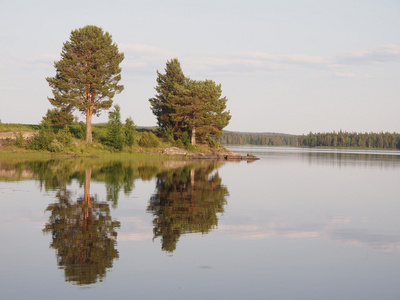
<point>185,105</point>
<point>87,74</point>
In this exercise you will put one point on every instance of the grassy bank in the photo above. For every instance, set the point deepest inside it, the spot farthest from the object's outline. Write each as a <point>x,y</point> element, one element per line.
<point>12,127</point>
<point>67,142</point>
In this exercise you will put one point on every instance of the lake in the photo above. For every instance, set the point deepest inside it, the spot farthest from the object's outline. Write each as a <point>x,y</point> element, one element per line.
<point>296,224</point>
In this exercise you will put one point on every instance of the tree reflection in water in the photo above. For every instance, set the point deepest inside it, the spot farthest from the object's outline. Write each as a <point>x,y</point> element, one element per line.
<point>186,201</point>
<point>83,235</point>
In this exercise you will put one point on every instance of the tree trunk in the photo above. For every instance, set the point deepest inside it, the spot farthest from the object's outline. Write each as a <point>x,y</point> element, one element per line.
<point>89,126</point>
<point>192,175</point>
<point>87,203</point>
<point>193,139</point>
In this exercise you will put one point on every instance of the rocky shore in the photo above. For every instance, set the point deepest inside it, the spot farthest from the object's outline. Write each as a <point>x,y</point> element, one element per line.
<point>220,155</point>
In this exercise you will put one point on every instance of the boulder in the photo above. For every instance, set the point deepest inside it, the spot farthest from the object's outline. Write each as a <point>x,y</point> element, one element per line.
<point>175,151</point>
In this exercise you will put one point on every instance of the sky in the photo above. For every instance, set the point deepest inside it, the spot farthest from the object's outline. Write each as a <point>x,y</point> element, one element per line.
<point>286,66</point>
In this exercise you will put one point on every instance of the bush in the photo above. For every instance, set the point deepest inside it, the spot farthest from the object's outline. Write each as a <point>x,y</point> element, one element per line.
<point>43,139</point>
<point>20,140</point>
<point>64,136</point>
<point>185,139</point>
<point>148,140</point>
<point>78,130</point>
<point>55,146</point>
<point>48,140</point>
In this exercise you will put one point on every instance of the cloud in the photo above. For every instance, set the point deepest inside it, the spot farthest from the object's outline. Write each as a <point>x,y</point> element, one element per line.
<point>143,60</point>
<point>382,54</point>
<point>337,228</point>
<point>306,60</point>
<point>146,51</point>
<point>37,61</point>
<point>344,75</point>
<point>230,64</point>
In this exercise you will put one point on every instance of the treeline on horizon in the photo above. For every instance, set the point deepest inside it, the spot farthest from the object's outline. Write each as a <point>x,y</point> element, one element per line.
<point>339,139</point>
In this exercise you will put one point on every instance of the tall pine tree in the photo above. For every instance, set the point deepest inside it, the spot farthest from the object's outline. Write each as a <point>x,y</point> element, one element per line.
<point>87,74</point>
<point>185,105</point>
<point>162,104</point>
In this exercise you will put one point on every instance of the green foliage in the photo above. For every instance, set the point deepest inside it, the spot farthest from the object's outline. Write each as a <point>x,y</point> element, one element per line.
<point>212,143</point>
<point>198,108</point>
<point>168,134</point>
<point>78,130</point>
<point>166,86</point>
<point>130,131</point>
<point>20,140</point>
<point>185,139</point>
<point>58,117</point>
<point>87,74</point>
<point>148,140</point>
<point>64,136</point>
<point>55,146</point>
<point>185,105</point>
<point>344,139</point>
<point>115,134</point>
<point>13,127</point>
<point>261,139</point>
<point>47,139</point>
<point>42,140</point>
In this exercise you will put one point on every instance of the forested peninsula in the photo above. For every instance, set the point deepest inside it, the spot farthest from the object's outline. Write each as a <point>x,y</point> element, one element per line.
<point>341,139</point>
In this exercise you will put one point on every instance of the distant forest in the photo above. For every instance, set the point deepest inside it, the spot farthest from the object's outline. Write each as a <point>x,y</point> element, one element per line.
<point>339,139</point>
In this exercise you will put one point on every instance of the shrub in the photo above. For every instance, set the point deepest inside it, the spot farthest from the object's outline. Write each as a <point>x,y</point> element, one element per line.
<point>78,130</point>
<point>185,139</point>
<point>148,140</point>
<point>64,136</point>
<point>20,140</point>
<point>43,139</point>
<point>55,146</point>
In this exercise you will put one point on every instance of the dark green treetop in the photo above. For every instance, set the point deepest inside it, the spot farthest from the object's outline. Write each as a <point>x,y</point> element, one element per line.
<point>87,74</point>
<point>167,83</point>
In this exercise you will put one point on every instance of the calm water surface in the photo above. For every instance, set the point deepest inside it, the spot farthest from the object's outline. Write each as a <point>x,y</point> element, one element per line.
<point>296,224</point>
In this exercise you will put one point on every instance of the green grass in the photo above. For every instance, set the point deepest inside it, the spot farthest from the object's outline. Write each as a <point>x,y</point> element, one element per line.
<point>13,127</point>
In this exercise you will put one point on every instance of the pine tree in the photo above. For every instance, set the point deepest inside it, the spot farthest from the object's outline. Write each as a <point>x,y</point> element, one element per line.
<point>115,132</point>
<point>200,110</point>
<point>161,104</point>
<point>130,129</point>
<point>87,74</point>
<point>184,105</point>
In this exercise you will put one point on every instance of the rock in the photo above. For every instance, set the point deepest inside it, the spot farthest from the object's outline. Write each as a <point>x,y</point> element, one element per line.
<point>26,135</point>
<point>224,155</point>
<point>175,151</point>
<point>251,157</point>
